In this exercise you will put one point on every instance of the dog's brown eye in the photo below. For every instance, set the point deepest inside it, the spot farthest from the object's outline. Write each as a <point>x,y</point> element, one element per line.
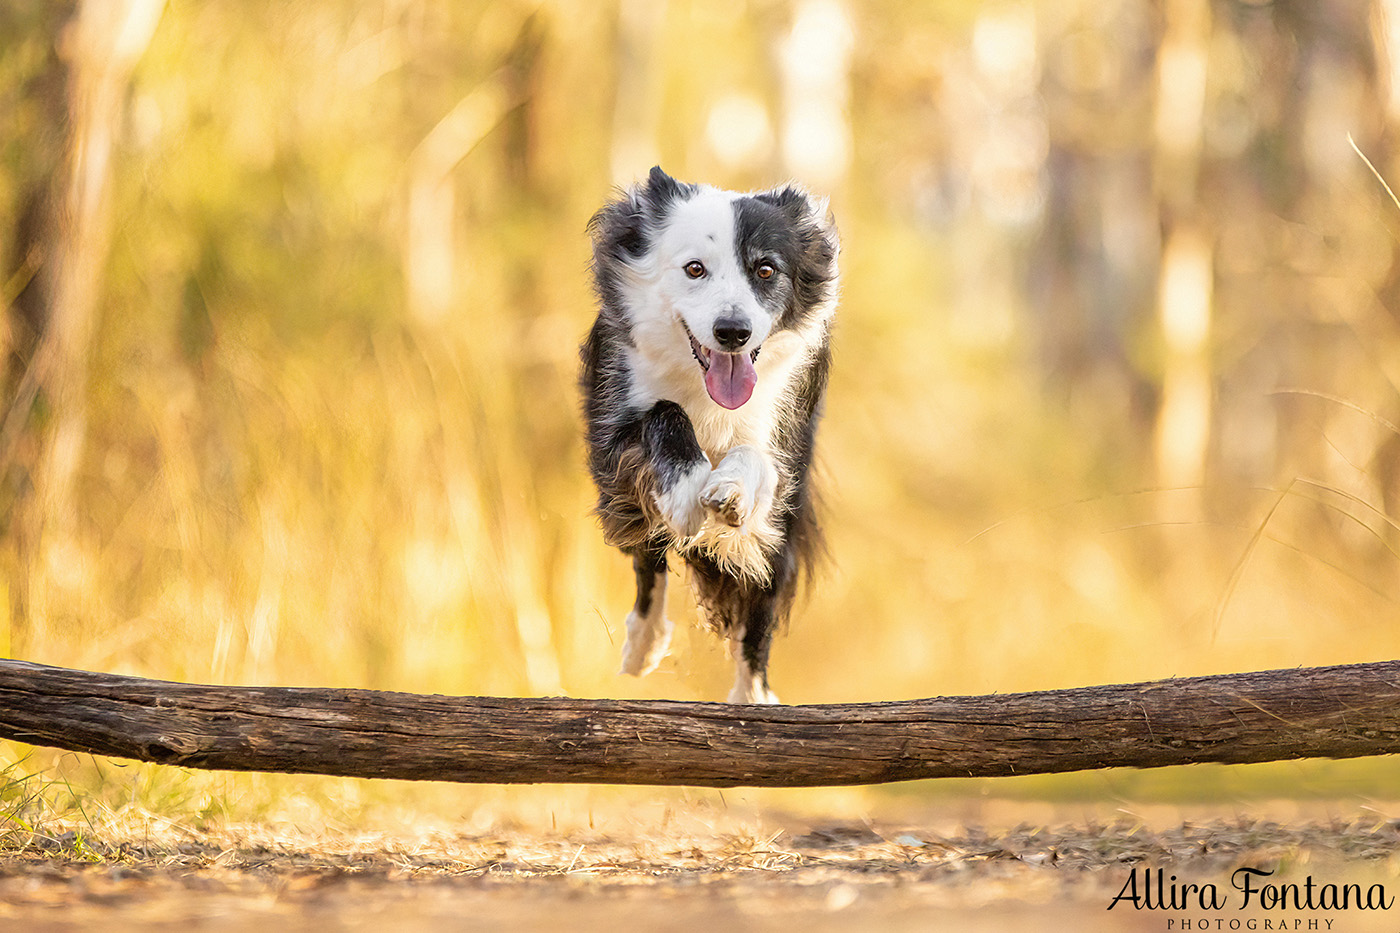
<point>695,268</point>
<point>765,270</point>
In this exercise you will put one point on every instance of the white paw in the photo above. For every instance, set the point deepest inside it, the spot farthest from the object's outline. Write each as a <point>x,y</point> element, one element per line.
<point>727,499</point>
<point>750,691</point>
<point>680,504</point>
<point>648,638</point>
<point>740,488</point>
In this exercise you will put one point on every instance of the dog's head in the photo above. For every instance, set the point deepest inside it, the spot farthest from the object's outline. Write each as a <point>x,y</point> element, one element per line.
<point>715,273</point>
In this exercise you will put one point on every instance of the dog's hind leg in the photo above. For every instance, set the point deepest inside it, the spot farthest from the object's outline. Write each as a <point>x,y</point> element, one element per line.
<point>749,645</point>
<point>756,613</point>
<point>648,629</point>
<point>748,614</point>
<point>677,469</point>
<point>750,678</point>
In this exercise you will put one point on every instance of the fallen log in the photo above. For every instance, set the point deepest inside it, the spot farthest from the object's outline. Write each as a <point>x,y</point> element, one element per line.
<point>1325,712</point>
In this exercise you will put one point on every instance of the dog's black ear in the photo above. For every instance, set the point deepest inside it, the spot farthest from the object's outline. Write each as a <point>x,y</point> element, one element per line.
<point>619,228</point>
<point>662,190</point>
<point>815,274</point>
<point>804,209</point>
<point>812,218</point>
<point>623,227</point>
<point>661,185</point>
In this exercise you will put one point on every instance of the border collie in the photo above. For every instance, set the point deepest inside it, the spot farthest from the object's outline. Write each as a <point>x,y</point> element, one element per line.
<point>702,384</point>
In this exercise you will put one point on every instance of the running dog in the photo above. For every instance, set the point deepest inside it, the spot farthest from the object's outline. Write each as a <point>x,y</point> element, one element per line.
<point>702,382</point>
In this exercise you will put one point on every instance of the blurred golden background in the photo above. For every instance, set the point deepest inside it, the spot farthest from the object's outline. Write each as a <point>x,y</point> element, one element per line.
<point>293,293</point>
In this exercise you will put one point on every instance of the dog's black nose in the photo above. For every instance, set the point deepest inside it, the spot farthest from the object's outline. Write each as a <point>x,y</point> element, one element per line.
<point>731,333</point>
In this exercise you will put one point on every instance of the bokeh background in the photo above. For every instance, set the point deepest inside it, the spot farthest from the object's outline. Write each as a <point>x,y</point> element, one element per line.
<point>292,295</point>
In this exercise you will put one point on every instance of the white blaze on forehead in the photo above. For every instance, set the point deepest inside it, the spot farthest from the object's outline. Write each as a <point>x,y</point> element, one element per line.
<point>701,227</point>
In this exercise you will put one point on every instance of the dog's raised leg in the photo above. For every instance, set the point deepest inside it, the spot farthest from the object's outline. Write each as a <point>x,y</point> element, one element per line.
<point>648,629</point>
<point>679,468</point>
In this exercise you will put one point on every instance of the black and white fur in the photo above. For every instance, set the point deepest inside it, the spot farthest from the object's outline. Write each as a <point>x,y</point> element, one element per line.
<point>702,384</point>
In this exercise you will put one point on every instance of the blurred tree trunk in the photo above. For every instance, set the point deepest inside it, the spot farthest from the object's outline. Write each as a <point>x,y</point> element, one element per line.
<point>815,78</point>
<point>1382,155</point>
<point>1273,189</point>
<point>637,108</point>
<point>28,280</point>
<point>430,241</point>
<point>28,276</point>
<point>1186,271</point>
<point>69,231</point>
<point>1092,267</point>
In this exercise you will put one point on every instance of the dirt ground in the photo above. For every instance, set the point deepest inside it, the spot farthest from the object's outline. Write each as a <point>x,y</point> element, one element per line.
<point>777,874</point>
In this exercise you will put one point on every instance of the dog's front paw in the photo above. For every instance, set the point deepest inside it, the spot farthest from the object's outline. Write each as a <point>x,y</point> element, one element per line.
<point>739,488</point>
<point>727,499</point>
<point>679,503</point>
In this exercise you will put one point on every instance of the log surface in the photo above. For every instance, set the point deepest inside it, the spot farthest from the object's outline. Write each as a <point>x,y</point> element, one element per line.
<point>1325,712</point>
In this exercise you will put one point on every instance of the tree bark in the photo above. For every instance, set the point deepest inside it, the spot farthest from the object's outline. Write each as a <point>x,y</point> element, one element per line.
<point>1327,712</point>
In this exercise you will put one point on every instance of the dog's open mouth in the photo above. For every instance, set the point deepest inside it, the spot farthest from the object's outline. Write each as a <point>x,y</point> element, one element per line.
<point>729,377</point>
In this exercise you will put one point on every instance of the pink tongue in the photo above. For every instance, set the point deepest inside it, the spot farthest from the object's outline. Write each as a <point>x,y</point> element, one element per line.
<point>730,378</point>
